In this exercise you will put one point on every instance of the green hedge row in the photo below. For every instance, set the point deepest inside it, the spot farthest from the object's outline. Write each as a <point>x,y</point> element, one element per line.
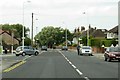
<point>100,42</point>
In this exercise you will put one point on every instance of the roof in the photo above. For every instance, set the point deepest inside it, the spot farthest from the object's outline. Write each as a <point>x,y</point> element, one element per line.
<point>95,33</point>
<point>2,32</point>
<point>99,33</point>
<point>114,30</point>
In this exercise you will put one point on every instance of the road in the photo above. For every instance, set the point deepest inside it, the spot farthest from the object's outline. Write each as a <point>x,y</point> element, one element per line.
<point>63,64</point>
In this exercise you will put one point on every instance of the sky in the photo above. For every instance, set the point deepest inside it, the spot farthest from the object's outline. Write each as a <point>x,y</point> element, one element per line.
<point>69,14</point>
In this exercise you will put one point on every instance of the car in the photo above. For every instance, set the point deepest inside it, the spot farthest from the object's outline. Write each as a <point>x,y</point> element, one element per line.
<point>112,53</point>
<point>26,50</point>
<point>86,50</point>
<point>64,48</point>
<point>44,48</point>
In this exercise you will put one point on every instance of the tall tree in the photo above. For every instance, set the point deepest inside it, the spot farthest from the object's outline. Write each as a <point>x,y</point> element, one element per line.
<point>50,36</point>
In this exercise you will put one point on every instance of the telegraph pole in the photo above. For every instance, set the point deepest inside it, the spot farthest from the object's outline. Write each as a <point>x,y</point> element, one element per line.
<point>32,32</point>
<point>119,27</point>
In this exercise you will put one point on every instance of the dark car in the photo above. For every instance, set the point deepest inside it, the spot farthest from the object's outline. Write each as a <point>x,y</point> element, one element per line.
<point>64,48</point>
<point>44,48</point>
<point>112,53</point>
<point>26,50</point>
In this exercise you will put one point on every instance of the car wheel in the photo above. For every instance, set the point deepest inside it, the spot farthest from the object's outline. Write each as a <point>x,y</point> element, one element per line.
<point>81,54</point>
<point>36,53</point>
<point>17,54</point>
<point>105,59</point>
<point>90,54</point>
<point>29,54</point>
<point>119,60</point>
<point>23,54</point>
<point>109,60</point>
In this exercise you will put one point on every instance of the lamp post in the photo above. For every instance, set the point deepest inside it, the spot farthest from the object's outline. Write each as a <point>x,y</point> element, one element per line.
<point>23,36</point>
<point>119,23</point>
<point>1,48</point>
<point>88,29</point>
<point>65,33</point>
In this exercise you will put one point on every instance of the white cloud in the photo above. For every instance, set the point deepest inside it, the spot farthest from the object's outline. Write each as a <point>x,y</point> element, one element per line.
<point>57,11</point>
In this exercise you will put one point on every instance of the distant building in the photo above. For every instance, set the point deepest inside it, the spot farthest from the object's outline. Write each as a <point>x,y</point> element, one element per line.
<point>112,33</point>
<point>94,32</point>
<point>7,39</point>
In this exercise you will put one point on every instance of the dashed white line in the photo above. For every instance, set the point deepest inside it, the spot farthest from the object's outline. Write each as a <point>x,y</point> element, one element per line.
<point>79,72</point>
<point>73,66</point>
<point>70,63</point>
<point>86,78</point>
<point>67,60</point>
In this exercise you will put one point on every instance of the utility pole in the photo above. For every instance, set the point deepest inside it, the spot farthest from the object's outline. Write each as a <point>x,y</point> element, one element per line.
<point>119,23</point>
<point>66,37</point>
<point>1,47</point>
<point>32,32</point>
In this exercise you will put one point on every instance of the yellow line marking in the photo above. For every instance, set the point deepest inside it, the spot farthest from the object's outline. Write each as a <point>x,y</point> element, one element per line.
<point>15,66</point>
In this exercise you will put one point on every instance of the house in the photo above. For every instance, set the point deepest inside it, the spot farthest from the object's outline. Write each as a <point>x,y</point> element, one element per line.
<point>94,32</point>
<point>7,39</point>
<point>112,33</point>
<point>99,33</point>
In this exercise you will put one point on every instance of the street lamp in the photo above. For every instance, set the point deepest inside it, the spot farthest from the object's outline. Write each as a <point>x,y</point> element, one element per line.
<point>65,33</point>
<point>23,36</point>
<point>88,29</point>
<point>119,23</point>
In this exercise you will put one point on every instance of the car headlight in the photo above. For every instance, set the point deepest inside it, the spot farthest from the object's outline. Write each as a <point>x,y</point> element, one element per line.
<point>112,55</point>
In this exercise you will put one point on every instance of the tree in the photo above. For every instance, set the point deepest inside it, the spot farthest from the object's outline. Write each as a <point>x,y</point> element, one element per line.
<point>50,36</point>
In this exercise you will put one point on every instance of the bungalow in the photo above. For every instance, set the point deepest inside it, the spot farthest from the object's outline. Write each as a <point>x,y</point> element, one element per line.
<point>7,40</point>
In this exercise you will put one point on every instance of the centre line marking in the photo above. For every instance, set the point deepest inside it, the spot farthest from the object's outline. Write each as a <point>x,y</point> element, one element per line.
<point>73,66</point>
<point>79,72</point>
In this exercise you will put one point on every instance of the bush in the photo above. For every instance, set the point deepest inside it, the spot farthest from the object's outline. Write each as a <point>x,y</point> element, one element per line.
<point>74,45</point>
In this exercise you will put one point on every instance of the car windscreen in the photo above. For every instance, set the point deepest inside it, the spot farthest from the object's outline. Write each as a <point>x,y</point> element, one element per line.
<point>64,46</point>
<point>19,49</point>
<point>26,47</point>
<point>114,49</point>
<point>86,48</point>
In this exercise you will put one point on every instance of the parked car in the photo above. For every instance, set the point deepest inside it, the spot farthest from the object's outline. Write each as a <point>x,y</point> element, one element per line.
<point>86,50</point>
<point>44,48</point>
<point>64,48</point>
<point>112,53</point>
<point>26,50</point>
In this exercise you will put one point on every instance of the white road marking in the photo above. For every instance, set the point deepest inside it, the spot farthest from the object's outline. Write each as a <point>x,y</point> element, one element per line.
<point>73,66</point>
<point>86,78</point>
<point>67,60</point>
<point>79,72</point>
<point>70,63</point>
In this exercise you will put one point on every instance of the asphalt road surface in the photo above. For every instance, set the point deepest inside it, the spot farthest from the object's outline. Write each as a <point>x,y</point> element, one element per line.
<point>63,64</point>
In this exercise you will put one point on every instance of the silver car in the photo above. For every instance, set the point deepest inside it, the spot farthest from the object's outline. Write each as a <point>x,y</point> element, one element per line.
<point>26,50</point>
<point>86,50</point>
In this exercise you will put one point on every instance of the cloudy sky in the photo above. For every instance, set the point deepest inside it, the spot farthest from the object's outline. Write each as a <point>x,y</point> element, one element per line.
<point>102,14</point>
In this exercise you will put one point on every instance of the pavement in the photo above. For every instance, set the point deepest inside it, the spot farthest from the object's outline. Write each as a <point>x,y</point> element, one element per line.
<point>5,63</point>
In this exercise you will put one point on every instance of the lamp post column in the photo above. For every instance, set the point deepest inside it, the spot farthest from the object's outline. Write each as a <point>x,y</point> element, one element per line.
<point>119,23</point>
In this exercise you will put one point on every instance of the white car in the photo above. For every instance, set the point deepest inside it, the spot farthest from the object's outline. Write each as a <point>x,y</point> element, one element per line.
<point>86,50</point>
